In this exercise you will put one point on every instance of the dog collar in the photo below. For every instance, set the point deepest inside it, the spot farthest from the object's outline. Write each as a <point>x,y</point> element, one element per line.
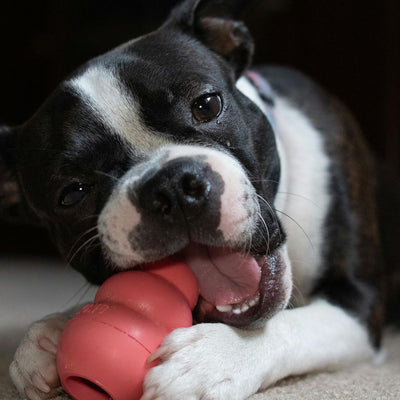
<point>266,94</point>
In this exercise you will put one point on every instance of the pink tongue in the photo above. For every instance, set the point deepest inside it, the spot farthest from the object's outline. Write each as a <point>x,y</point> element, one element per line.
<point>224,276</point>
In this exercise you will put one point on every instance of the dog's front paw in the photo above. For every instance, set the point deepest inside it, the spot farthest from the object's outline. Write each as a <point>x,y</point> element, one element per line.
<point>33,369</point>
<point>207,362</point>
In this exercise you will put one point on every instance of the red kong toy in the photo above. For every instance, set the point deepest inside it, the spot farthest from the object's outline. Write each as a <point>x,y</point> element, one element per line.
<point>103,351</point>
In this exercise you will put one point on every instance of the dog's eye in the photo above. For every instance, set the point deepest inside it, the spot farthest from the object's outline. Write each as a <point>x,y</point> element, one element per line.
<point>73,194</point>
<point>207,107</point>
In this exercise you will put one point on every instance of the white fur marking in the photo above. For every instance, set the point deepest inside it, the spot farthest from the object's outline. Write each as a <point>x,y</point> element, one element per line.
<point>116,107</point>
<point>244,85</point>
<point>117,219</point>
<point>287,280</point>
<point>305,197</point>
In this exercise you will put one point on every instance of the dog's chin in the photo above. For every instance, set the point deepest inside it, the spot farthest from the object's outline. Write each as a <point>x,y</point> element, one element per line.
<point>235,287</point>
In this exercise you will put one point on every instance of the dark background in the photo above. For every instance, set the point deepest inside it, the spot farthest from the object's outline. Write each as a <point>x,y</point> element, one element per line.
<point>352,47</point>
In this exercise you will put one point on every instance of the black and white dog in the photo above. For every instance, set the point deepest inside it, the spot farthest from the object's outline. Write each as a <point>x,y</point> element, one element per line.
<point>259,180</point>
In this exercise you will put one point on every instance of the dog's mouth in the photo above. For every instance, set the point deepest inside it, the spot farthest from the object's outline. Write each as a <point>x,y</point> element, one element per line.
<point>235,287</point>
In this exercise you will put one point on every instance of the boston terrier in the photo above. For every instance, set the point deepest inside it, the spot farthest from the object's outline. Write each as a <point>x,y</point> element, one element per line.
<point>257,178</point>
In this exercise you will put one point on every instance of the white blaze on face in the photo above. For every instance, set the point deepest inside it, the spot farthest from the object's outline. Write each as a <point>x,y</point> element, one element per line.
<point>114,105</point>
<point>239,206</point>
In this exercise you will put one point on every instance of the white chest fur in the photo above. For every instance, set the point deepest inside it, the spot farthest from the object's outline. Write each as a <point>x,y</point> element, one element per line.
<point>303,197</point>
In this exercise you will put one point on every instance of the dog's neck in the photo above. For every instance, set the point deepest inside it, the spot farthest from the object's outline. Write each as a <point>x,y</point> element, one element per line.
<point>258,89</point>
<point>266,94</point>
<point>296,136</point>
<point>260,92</point>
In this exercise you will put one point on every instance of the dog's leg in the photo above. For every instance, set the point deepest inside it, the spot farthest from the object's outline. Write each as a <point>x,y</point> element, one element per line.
<point>33,369</point>
<point>215,361</point>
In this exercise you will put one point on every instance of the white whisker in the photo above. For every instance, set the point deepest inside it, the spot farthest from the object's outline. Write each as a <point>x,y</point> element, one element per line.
<point>266,228</point>
<point>82,246</point>
<point>301,228</point>
<point>79,238</point>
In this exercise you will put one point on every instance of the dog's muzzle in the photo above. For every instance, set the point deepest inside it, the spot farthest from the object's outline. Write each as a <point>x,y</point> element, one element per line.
<point>177,193</point>
<point>198,204</point>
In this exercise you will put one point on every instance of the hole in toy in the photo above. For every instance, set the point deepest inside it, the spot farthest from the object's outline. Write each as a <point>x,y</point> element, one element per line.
<point>82,388</point>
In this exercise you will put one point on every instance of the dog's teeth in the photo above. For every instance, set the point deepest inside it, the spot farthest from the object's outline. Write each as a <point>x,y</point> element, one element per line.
<point>226,308</point>
<point>244,308</point>
<point>254,301</point>
<point>239,308</point>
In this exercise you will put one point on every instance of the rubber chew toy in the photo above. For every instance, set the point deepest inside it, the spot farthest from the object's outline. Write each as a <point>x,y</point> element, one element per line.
<point>102,352</point>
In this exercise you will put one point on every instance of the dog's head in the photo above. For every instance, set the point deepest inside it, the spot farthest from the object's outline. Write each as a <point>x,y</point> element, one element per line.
<point>151,150</point>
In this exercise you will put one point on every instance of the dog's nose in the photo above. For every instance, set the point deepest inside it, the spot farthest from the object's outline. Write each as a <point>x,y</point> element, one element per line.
<point>180,188</point>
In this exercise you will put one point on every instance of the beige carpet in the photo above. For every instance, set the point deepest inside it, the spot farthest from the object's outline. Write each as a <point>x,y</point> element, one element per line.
<point>31,289</point>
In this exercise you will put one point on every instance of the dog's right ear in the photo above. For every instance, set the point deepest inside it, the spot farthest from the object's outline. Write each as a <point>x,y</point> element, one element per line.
<point>216,23</point>
<point>10,194</point>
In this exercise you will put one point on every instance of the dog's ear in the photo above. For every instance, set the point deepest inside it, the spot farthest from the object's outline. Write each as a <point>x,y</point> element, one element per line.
<point>10,194</point>
<point>216,24</point>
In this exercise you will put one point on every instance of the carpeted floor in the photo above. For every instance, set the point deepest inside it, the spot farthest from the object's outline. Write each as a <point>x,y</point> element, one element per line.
<point>29,290</point>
